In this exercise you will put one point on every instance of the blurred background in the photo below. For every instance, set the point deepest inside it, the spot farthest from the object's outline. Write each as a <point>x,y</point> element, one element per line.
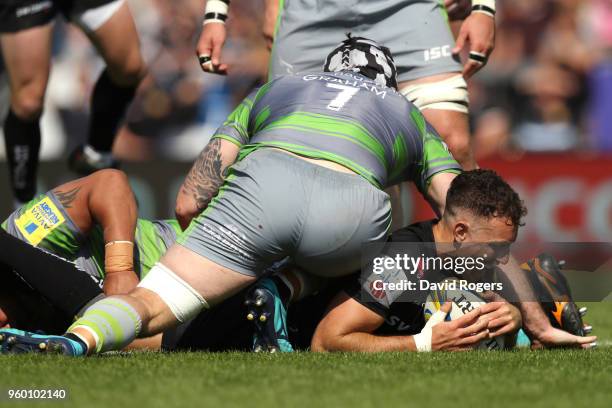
<point>541,110</point>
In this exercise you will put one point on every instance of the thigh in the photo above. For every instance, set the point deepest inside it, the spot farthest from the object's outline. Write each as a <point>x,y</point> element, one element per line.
<point>212,281</point>
<point>27,57</point>
<point>116,38</point>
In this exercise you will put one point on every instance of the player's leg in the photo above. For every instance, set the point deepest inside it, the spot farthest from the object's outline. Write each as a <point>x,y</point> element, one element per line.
<point>27,55</point>
<point>60,282</point>
<point>430,76</point>
<point>443,100</point>
<point>112,31</point>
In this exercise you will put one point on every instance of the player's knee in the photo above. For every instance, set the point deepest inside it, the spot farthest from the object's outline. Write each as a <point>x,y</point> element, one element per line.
<point>27,103</point>
<point>129,71</point>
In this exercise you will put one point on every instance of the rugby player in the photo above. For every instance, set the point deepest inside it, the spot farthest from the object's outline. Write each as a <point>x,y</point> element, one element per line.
<point>67,248</point>
<point>481,210</point>
<point>26,31</point>
<point>429,72</point>
<point>314,153</point>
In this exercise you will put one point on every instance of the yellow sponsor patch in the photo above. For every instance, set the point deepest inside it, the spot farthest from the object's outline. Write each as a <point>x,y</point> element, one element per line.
<point>39,221</point>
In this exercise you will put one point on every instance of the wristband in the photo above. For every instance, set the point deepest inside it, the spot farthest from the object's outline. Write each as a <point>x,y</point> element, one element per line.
<point>118,256</point>
<point>484,6</point>
<point>422,340</point>
<point>216,11</point>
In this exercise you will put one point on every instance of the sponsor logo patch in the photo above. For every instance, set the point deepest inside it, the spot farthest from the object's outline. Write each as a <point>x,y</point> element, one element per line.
<point>39,221</point>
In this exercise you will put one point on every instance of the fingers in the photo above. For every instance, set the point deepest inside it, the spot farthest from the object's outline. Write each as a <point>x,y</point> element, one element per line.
<point>475,62</point>
<point>474,339</point>
<point>209,49</point>
<point>461,39</point>
<point>477,327</point>
<point>586,340</point>
<point>216,54</point>
<point>467,319</point>
<point>207,65</point>
<point>490,307</point>
<point>440,315</point>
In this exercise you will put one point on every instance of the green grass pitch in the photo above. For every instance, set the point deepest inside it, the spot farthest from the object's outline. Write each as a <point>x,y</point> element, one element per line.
<point>553,378</point>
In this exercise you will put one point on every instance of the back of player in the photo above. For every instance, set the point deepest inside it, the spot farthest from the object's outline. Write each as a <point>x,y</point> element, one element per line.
<point>343,117</point>
<point>347,118</point>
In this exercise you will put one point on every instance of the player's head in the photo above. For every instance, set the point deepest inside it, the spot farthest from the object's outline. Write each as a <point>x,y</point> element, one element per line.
<point>483,210</point>
<point>365,56</point>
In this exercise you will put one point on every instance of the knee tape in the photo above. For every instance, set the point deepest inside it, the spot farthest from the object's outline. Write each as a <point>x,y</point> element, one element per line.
<point>183,300</point>
<point>448,94</point>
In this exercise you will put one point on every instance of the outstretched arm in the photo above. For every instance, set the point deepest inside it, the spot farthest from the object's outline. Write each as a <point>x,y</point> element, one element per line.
<point>204,179</point>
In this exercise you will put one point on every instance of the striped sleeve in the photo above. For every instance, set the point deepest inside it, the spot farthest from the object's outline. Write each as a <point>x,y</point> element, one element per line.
<point>236,127</point>
<point>436,158</point>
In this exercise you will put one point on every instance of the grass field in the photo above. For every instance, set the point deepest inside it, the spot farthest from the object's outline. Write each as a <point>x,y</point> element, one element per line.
<point>553,378</point>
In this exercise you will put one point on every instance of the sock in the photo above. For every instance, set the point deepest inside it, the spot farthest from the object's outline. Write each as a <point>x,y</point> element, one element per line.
<point>109,102</point>
<point>285,289</point>
<point>299,283</point>
<point>112,322</point>
<point>78,339</point>
<point>22,140</point>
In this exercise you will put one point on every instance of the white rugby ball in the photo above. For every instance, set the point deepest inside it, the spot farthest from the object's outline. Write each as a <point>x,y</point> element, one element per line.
<point>464,301</point>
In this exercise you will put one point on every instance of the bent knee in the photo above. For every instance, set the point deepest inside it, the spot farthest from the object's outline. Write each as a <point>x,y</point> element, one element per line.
<point>129,72</point>
<point>27,103</point>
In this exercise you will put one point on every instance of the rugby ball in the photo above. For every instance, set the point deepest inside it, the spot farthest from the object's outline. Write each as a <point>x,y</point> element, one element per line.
<point>464,301</point>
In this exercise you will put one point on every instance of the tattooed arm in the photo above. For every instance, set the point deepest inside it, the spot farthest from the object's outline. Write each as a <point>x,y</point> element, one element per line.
<point>103,198</point>
<point>204,179</point>
<point>106,199</point>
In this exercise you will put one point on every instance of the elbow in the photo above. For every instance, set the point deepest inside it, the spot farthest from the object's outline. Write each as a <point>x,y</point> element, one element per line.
<point>324,341</point>
<point>184,214</point>
<point>318,346</point>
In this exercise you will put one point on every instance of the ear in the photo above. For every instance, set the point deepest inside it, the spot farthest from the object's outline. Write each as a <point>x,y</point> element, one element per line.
<point>460,231</point>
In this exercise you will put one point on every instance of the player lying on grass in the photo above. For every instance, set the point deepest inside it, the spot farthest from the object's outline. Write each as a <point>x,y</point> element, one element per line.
<point>57,258</point>
<point>46,292</point>
<point>313,155</point>
<point>92,222</point>
<point>482,216</point>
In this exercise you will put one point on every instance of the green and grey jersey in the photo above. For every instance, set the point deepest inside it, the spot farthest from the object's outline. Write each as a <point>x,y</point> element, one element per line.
<point>345,118</point>
<point>45,224</point>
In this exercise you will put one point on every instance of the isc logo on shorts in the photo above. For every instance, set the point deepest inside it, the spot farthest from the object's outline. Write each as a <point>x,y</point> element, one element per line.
<point>39,221</point>
<point>437,53</point>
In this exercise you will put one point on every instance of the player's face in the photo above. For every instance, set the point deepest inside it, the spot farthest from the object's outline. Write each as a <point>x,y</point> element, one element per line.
<point>487,237</point>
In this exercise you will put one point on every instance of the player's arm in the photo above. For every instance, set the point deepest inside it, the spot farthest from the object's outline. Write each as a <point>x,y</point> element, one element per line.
<point>436,170</point>
<point>105,198</point>
<point>535,321</point>
<point>209,170</point>
<point>213,37</point>
<point>350,326</point>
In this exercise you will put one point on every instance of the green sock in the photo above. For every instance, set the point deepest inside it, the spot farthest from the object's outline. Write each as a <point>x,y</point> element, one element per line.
<point>113,322</point>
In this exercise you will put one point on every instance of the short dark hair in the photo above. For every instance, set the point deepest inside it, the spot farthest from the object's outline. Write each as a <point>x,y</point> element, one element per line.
<point>485,194</point>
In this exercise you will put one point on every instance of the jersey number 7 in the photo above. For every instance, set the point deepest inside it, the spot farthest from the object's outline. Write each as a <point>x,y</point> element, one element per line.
<point>345,95</point>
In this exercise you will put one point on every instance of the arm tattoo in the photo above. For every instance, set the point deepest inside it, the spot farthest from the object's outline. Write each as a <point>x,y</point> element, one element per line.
<point>67,197</point>
<point>206,175</point>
